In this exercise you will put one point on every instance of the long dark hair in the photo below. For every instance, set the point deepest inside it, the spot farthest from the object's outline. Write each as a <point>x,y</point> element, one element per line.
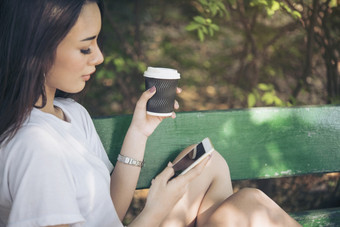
<point>30,32</point>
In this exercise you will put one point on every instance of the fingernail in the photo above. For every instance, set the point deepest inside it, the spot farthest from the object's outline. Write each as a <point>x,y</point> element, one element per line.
<point>173,115</point>
<point>152,89</point>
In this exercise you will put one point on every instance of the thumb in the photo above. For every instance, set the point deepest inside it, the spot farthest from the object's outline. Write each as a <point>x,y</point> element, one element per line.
<point>194,172</point>
<point>146,96</point>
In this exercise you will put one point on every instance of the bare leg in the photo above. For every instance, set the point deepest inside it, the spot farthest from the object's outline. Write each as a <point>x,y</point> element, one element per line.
<point>209,202</point>
<point>204,195</point>
<point>249,207</point>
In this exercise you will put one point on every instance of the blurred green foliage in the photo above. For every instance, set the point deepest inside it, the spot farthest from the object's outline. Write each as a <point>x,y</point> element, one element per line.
<point>231,54</point>
<point>203,23</point>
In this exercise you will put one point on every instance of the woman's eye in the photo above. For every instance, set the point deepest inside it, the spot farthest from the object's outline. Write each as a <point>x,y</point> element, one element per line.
<point>85,51</point>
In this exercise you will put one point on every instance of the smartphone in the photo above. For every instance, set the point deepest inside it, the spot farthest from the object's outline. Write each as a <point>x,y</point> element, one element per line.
<point>193,157</point>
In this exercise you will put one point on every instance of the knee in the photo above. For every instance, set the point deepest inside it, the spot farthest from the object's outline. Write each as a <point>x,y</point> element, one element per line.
<point>254,197</point>
<point>240,209</point>
<point>231,212</point>
<point>218,162</point>
<point>250,207</point>
<point>260,204</point>
<point>252,193</point>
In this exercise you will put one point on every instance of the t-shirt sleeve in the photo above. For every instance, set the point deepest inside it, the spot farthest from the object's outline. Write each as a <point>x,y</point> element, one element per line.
<point>41,185</point>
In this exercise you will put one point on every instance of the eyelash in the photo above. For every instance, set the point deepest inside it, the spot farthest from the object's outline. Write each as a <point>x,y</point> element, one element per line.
<point>86,51</point>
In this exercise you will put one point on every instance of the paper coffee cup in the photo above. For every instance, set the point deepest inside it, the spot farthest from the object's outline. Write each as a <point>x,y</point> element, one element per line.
<point>165,80</point>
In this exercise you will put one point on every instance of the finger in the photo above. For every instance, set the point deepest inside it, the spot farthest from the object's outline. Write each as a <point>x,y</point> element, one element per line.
<point>166,174</point>
<point>170,164</point>
<point>173,115</point>
<point>176,105</point>
<point>179,90</point>
<point>146,96</point>
<point>197,170</point>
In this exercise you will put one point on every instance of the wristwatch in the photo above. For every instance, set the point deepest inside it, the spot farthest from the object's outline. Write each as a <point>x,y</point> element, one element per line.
<point>130,161</point>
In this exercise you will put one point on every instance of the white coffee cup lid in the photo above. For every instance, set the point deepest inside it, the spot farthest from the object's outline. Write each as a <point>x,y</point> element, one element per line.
<point>162,73</point>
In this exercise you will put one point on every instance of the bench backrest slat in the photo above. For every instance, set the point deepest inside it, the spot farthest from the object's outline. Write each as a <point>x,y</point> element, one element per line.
<point>257,143</point>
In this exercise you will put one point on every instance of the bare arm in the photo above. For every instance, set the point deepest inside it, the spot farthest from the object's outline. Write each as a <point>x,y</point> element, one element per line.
<point>124,177</point>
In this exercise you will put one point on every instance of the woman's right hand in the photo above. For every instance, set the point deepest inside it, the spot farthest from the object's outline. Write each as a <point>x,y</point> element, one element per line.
<point>165,193</point>
<point>143,122</point>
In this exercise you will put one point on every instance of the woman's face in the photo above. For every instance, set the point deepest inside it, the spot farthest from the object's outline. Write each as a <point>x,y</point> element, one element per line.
<point>77,54</point>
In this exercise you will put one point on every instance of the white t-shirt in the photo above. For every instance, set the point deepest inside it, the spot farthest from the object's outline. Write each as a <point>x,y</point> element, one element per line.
<point>56,172</point>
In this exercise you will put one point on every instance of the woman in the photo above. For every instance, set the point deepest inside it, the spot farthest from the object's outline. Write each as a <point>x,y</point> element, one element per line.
<point>53,168</point>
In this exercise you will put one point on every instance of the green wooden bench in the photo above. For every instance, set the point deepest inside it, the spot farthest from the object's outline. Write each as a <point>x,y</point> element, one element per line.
<point>258,143</point>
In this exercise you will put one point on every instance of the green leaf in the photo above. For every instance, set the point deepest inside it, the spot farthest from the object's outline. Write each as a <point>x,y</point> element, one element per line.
<point>141,66</point>
<point>265,87</point>
<point>204,30</point>
<point>100,74</point>
<point>215,27</point>
<point>200,35</point>
<point>275,6</point>
<point>251,100</point>
<point>192,26</point>
<point>333,3</point>
<point>120,64</point>
<point>203,2</point>
<point>278,101</point>
<point>214,10</point>
<point>221,6</point>
<point>268,98</point>
<point>296,14</point>
<point>108,59</point>
<point>211,31</point>
<point>199,19</point>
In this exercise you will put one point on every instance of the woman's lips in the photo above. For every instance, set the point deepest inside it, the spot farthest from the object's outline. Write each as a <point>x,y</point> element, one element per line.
<point>86,77</point>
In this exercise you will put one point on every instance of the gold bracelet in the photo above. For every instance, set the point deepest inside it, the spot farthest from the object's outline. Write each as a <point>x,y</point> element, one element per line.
<point>130,161</point>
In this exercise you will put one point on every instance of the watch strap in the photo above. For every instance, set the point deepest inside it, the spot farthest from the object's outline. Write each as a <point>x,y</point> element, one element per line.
<point>130,161</point>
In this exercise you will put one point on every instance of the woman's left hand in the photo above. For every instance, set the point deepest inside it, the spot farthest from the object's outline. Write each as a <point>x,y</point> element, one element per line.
<point>144,122</point>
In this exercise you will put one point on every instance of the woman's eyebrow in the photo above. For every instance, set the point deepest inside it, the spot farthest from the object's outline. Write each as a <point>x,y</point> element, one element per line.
<point>89,38</point>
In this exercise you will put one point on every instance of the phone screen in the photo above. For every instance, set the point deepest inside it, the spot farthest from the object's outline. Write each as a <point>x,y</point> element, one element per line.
<point>189,159</point>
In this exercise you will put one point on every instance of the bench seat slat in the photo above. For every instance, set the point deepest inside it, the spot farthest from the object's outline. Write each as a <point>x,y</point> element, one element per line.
<point>317,218</point>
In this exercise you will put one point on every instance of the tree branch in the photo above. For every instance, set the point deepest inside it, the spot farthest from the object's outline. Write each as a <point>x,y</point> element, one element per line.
<point>309,50</point>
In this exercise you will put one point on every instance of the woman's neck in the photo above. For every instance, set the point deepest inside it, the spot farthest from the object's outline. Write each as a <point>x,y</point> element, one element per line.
<point>50,107</point>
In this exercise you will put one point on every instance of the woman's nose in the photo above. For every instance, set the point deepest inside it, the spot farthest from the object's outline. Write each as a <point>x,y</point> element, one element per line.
<point>97,57</point>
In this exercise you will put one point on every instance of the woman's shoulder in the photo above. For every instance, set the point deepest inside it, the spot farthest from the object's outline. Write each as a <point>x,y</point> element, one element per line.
<point>30,136</point>
<point>31,142</point>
